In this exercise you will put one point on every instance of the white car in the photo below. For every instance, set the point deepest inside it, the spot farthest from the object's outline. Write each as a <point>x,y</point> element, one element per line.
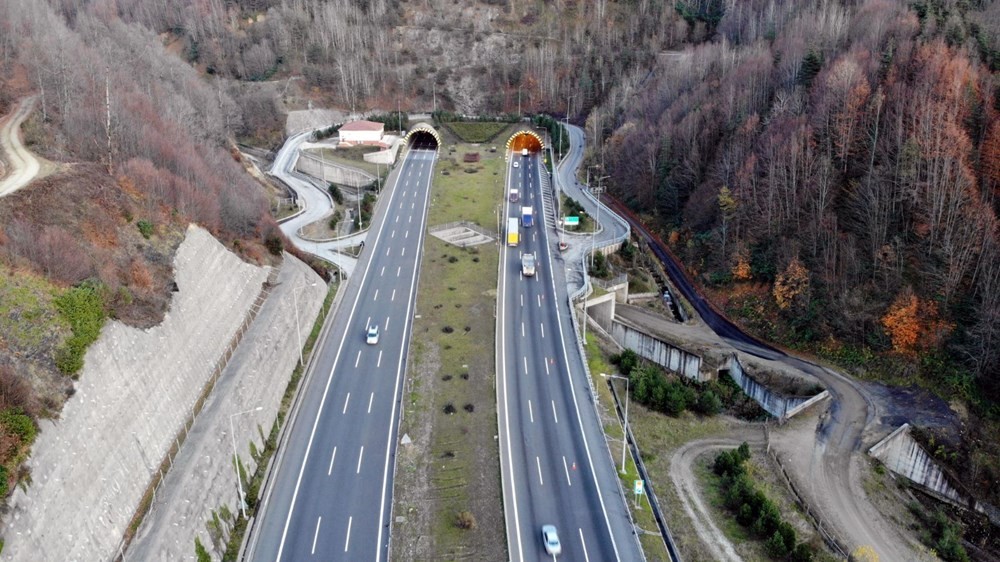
<point>372,337</point>
<point>550,538</point>
<point>516,164</point>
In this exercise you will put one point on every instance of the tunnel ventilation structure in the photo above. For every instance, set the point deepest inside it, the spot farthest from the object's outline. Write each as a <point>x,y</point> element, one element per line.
<point>423,135</point>
<point>525,139</point>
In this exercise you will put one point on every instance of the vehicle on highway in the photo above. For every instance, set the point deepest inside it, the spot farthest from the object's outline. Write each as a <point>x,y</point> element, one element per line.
<point>513,232</point>
<point>528,265</point>
<point>372,337</point>
<point>515,164</point>
<point>550,538</point>
<point>527,216</point>
<point>514,196</point>
<point>524,152</point>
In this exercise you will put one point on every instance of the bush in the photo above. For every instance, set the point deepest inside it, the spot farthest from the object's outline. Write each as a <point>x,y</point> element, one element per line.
<point>336,194</point>
<point>83,308</point>
<point>334,220</point>
<point>145,228</point>
<point>274,244</point>
<point>708,404</point>
<point>802,553</point>
<point>18,423</point>
<point>775,546</point>
<point>200,552</point>
<point>465,520</point>
<point>4,481</point>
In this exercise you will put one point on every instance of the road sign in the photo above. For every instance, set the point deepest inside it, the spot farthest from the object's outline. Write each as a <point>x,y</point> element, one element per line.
<point>571,221</point>
<point>637,488</point>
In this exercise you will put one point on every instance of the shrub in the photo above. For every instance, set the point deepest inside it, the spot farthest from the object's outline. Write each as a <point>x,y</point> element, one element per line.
<point>802,553</point>
<point>775,546</point>
<point>200,552</point>
<point>17,422</point>
<point>336,194</point>
<point>145,228</point>
<point>465,520</point>
<point>4,481</point>
<point>708,404</point>
<point>83,308</point>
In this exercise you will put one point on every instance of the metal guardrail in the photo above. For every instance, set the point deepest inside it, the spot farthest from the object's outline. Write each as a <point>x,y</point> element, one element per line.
<point>654,503</point>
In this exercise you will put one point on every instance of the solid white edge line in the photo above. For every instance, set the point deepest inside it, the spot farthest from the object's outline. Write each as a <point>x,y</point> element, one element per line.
<point>583,541</point>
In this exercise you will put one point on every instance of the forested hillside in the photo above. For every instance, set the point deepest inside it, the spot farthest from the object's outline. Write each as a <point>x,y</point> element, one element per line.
<point>831,173</point>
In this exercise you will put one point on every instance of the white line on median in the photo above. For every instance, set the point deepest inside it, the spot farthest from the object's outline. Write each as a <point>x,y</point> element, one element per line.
<point>361,455</point>
<point>346,400</point>
<point>316,534</point>
<point>333,456</point>
<point>538,463</point>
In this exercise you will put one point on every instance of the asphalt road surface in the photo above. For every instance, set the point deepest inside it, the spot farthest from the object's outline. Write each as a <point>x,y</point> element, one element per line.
<point>555,466</point>
<point>331,495</point>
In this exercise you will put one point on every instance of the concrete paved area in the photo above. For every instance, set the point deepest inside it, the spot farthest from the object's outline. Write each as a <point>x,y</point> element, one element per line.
<point>202,477</point>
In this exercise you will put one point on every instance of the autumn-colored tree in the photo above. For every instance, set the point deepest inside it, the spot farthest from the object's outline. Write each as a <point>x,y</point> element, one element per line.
<point>913,324</point>
<point>791,287</point>
<point>742,270</point>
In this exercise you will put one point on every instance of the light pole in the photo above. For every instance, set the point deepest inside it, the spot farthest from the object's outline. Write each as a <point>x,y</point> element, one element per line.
<point>236,459</point>
<point>295,304</point>
<point>597,220</point>
<point>625,436</point>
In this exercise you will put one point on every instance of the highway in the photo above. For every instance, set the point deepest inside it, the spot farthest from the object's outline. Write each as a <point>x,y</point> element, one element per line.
<point>330,496</point>
<point>555,464</point>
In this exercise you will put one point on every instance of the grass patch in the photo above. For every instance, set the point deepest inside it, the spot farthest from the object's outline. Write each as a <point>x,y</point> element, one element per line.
<point>450,409</point>
<point>476,132</point>
<point>352,157</point>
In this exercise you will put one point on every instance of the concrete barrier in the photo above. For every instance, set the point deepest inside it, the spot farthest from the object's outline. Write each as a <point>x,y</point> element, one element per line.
<point>777,405</point>
<point>660,352</point>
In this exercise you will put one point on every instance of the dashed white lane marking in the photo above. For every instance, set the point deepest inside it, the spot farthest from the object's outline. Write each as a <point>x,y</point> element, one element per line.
<point>316,534</point>
<point>539,301</point>
<point>393,235</point>
<point>329,471</point>
<point>361,455</point>
<point>372,398</point>
<point>538,463</point>
<point>526,365</point>
<point>383,271</point>
<point>398,269</point>
<point>546,367</point>
<point>522,329</point>
<point>379,363</point>
<point>586,557</point>
<point>554,414</point>
<point>346,400</point>
<point>393,297</point>
<point>347,542</point>
<point>542,325</point>
<point>375,298</point>
<point>356,361</point>
<point>566,468</point>
<point>403,253</point>
<point>531,415</point>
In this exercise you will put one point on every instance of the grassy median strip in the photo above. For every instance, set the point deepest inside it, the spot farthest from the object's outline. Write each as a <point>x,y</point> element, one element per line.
<point>448,502</point>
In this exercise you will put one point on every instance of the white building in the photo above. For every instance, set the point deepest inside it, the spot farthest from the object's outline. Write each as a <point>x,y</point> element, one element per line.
<point>362,132</point>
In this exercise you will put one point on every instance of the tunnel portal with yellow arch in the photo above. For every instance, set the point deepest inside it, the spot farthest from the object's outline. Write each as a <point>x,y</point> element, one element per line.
<point>525,139</point>
<point>423,135</point>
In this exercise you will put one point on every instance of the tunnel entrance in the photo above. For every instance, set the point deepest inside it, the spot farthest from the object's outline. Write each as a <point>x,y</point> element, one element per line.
<point>423,137</point>
<point>525,140</point>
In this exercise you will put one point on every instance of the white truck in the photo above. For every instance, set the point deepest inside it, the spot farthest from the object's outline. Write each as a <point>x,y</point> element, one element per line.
<point>528,265</point>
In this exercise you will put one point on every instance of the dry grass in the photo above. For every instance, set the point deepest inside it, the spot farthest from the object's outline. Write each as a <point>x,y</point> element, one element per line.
<point>451,467</point>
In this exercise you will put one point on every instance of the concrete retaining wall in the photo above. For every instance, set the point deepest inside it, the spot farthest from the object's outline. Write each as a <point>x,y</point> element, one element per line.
<point>91,467</point>
<point>775,404</point>
<point>900,453</point>
<point>332,173</point>
<point>658,351</point>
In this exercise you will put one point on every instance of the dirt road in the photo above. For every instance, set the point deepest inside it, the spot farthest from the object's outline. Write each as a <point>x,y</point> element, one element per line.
<point>22,166</point>
<point>686,483</point>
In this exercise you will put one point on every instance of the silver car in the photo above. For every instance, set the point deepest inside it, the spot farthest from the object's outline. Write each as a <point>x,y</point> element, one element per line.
<point>372,337</point>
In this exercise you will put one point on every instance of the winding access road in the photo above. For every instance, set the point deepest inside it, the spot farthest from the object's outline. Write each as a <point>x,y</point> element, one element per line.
<point>330,496</point>
<point>828,475</point>
<point>555,464</point>
<point>21,163</point>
